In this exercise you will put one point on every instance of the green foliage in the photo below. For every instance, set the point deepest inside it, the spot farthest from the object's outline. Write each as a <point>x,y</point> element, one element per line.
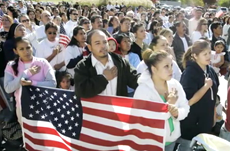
<point>224,3</point>
<point>193,2</point>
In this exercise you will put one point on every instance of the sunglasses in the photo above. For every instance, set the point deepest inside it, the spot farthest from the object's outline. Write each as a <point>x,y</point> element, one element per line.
<point>86,22</point>
<point>75,14</point>
<point>27,20</point>
<point>54,33</point>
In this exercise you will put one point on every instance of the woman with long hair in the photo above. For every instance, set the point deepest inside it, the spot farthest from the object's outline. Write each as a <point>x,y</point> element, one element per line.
<point>201,30</point>
<point>156,84</point>
<point>200,83</point>
<point>76,48</point>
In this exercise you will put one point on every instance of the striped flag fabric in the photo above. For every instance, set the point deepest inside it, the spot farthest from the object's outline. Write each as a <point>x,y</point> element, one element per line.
<point>219,13</point>
<point>55,119</point>
<point>64,40</point>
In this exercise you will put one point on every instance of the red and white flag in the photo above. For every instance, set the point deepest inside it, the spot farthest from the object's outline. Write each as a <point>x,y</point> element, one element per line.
<point>219,13</point>
<point>56,120</point>
<point>64,40</point>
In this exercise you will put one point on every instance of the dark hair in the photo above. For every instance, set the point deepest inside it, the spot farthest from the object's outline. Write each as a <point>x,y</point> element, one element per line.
<point>196,49</point>
<point>215,25</point>
<point>154,58</point>
<point>51,25</point>
<point>125,19</point>
<point>60,75</point>
<point>152,25</point>
<point>62,14</point>
<point>74,41</point>
<point>111,20</point>
<point>219,42</point>
<point>15,65</point>
<point>105,21</point>
<point>178,23</point>
<point>93,18</point>
<point>13,11</point>
<point>29,11</point>
<point>155,41</point>
<point>137,26</point>
<point>82,20</point>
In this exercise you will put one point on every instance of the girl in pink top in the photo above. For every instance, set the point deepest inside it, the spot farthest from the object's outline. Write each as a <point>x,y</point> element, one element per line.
<point>26,70</point>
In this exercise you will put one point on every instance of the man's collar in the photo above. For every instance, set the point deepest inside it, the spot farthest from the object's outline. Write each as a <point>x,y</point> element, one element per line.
<point>95,61</point>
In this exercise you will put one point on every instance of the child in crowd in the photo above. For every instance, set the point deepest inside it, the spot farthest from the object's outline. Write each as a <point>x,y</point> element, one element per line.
<point>64,80</point>
<point>113,46</point>
<point>217,56</point>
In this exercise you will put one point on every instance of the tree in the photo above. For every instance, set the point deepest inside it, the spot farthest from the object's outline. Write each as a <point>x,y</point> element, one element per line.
<point>210,2</point>
<point>193,2</point>
<point>224,3</point>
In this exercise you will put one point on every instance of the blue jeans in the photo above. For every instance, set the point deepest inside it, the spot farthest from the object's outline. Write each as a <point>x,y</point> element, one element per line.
<point>224,133</point>
<point>170,147</point>
<point>184,145</point>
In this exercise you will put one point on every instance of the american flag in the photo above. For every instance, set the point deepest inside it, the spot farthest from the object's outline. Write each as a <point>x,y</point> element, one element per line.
<point>64,40</point>
<point>55,119</point>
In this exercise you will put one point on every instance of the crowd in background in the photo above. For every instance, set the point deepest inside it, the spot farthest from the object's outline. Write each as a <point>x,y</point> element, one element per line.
<point>153,54</point>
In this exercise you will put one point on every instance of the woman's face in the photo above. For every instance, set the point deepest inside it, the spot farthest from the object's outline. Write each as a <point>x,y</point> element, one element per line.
<point>115,22</point>
<point>20,31</point>
<point>25,21</point>
<point>141,33</point>
<point>81,36</point>
<point>24,51</point>
<point>38,14</point>
<point>51,34</point>
<point>57,21</point>
<point>204,25</point>
<point>169,38</point>
<point>6,22</point>
<point>162,44</point>
<point>125,44</point>
<point>125,26</point>
<point>204,57</point>
<point>163,69</point>
<point>32,15</point>
<point>9,13</point>
<point>65,84</point>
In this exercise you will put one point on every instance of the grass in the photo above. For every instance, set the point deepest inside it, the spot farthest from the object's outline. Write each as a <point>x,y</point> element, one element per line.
<point>145,3</point>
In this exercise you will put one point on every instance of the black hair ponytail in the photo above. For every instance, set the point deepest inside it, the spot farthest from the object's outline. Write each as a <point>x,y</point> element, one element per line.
<point>15,65</point>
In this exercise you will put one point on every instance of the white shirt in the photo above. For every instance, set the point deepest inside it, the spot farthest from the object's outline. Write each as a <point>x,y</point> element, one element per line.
<point>111,88</point>
<point>184,43</point>
<point>72,52</point>
<point>192,25</point>
<point>69,26</point>
<point>196,35</point>
<point>34,27</point>
<point>40,33</point>
<point>167,25</point>
<point>46,49</point>
<point>164,18</point>
<point>109,7</point>
<point>216,58</point>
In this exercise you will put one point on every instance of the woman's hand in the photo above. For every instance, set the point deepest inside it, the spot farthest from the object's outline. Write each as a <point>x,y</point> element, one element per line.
<point>56,50</point>
<point>35,69</point>
<point>25,82</point>
<point>172,96</point>
<point>173,110</point>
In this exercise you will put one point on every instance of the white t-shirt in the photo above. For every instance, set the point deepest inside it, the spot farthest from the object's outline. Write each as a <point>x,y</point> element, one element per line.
<point>184,43</point>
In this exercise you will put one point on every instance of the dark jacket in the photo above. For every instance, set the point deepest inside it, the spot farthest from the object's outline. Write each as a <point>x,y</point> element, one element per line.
<point>88,83</point>
<point>200,118</point>
<point>178,48</point>
<point>8,49</point>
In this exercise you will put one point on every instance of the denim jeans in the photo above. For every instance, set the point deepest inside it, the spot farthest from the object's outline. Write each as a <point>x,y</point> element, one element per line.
<point>184,145</point>
<point>170,147</point>
<point>224,133</point>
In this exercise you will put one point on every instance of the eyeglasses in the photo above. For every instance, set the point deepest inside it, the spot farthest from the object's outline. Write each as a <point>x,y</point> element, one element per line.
<point>27,20</point>
<point>5,20</point>
<point>54,33</point>
<point>75,14</point>
<point>86,22</point>
<point>204,24</point>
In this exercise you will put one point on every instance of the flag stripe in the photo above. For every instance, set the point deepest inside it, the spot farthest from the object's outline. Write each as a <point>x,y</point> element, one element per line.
<point>120,132</point>
<point>125,117</point>
<point>125,126</point>
<point>135,146</point>
<point>125,110</point>
<point>139,104</point>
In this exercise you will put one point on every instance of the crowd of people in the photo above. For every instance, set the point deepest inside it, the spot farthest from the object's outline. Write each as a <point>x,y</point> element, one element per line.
<point>153,54</point>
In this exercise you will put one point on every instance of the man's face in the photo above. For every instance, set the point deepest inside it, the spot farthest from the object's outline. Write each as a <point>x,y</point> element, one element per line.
<point>218,31</point>
<point>181,28</point>
<point>45,17</point>
<point>97,24</point>
<point>74,15</point>
<point>198,14</point>
<point>99,45</point>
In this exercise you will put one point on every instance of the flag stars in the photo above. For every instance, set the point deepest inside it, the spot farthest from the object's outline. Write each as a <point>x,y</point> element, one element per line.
<point>43,117</point>
<point>55,93</point>
<point>66,121</point>
<point>44,101</point>
<point>59,125</point>
<point>64,95</point>
<point>72,109</point>
<point>76,124</point>
<point>48,107</point>
<point>76,106</point>
<point>37,111</point>
<point>52,113</point>
<point>46,92</point>
<point>40,95</point>
<point>71,101</point>
<point>37,89</point>
<point>63,106</point>
<point>55,119</point>
<point>77,115</point>
<point>33,97</point>
<point>67,103</point>
<point>61,98</point>
<point>55,104</point>
<point>31,115</point>
<point>72,118</point>
<point>74,97</point>
<point>63,131</point>
<point>37,103</point>
<point>31,107</point>
<point>58,110</point>
<point>70,128</point>
<point>73,134</point>
<point>62,116</point>
<point>68,112</point>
